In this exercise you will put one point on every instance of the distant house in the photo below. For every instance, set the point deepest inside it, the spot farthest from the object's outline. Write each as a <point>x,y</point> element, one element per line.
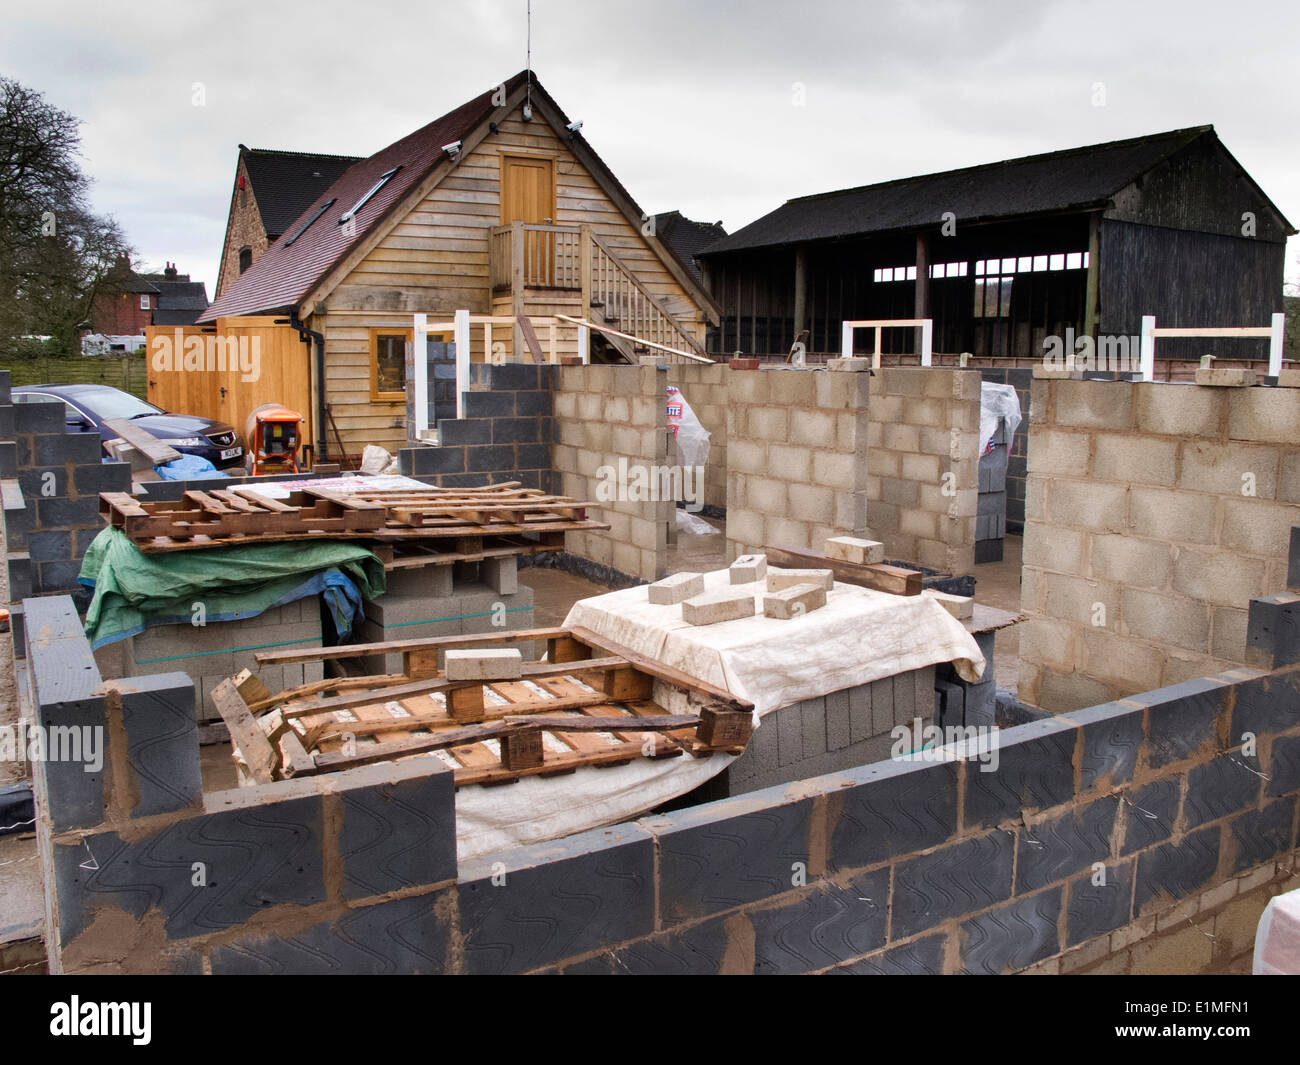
<point>686,238</point>
<point>271,189</point>
<point>132,301</point>
<point>500,207</point>
<point>1005,255</point>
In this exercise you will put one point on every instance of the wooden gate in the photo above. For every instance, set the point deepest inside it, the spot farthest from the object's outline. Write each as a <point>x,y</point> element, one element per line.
<point>226,371</point>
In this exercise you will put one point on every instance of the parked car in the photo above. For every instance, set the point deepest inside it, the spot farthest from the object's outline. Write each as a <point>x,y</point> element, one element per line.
<point>89,406</point>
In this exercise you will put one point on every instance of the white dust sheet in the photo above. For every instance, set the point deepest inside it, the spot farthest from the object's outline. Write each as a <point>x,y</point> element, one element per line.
<point>857,637</point>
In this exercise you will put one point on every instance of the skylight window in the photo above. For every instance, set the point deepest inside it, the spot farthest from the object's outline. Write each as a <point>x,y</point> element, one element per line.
<point>383,180</point>
<point>303,228</point>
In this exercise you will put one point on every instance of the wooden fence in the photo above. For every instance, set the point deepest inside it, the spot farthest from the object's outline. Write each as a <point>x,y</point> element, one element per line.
<point>127,372</point>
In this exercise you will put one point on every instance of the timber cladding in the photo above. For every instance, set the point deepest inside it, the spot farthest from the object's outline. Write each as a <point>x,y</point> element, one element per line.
<point>1154,514</point>
<point>1093,833</point>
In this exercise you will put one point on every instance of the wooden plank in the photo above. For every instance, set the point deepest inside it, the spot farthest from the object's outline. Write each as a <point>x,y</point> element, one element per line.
<point>248,738</point>
<point>656,669</point>
<point>530,338</point>
<point>530,671</point>
<point>158,453</point>
<point>486,639</point>
<point>882,578</point>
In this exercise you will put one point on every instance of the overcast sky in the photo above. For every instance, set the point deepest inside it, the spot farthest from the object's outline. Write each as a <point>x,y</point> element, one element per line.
<point>694,105</point>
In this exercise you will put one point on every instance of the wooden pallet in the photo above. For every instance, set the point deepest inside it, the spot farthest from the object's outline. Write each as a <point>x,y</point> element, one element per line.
<point>468,524</point>
<point>589,705</point>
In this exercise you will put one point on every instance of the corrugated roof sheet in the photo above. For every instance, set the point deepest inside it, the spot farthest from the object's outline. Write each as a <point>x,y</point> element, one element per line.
<point>286,183</point>
<point>285,273</point>
<point>1035,184</point>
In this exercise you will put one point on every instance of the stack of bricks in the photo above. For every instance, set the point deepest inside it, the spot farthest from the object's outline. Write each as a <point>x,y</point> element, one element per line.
<point>506,433</point>
<point>923,483</point>
<point>433,601</point>
<point>979,865</point>
<point>1155,513</point>
<point>52,511</point>
<point>216,650</point>
<point>611,448</point>
<point>705,389</point>
<point>796,457</point>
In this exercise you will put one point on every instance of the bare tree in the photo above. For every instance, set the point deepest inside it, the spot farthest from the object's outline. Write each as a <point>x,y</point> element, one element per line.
<point>56,254</point>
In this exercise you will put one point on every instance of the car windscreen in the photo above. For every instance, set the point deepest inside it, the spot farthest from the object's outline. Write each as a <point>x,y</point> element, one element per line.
<point>110,403</point>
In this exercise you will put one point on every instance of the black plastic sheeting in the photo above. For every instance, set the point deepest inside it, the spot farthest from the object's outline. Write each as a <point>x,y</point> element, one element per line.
<point>17,812</point>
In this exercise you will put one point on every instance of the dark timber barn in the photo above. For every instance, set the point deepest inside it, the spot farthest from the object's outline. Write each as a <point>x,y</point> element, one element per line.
<point>1004,255</point>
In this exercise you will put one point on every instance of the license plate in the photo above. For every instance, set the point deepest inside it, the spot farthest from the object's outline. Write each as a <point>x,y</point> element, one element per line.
<point>231,453</point>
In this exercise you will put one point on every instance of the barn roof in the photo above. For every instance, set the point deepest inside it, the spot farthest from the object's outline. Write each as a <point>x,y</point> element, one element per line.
<point>1070,180</point>
<point>286,183</point>
<point>685,237</point>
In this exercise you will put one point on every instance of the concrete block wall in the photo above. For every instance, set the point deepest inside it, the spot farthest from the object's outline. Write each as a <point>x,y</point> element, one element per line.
<point>54,515</point>
<point>923,483</point>
<point>797,465</point>
<point>506,434</point>
<point>1018,452</point>
<point>706,390</point>
<point>1091,844</point>
<point>604,414</point>
<point>1155,513</point>
<point>217,650</point>
<point>830,733</point>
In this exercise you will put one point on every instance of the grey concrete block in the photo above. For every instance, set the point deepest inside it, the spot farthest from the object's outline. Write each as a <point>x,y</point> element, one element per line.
<point>789,732</point>
<point>1096,909</point>
<point>1261,835</point>
<point>500,574</point>
<point>1293,560</point>
<point>861,725</point>
<point>53,546</point>
<point>1220,787</point>
<point>728,853</point>
<point>1175,871</point>
<point>407,935</point>
<point>1284,766</point>
<point>813,712</point>
<point>102,477</point>
<point>949,882</point>
<point>1265,704</point>
<point>39,417</point>
<point>1149,815</point>
<point>1181,718</point>
<point>1273,631</point>
<point>823,925</point>
<point>839,733</point>
<point>882,705</point>
<point>920,957</point>
<point>162,742</point>
<point>464,431</point>
<point>558,899</point>
<point>399,827</point>
<point>1058,848</point>
<point>1013,936</point>
<point>698,950</point>
<point>1112,735</point>
<point>433,582</point>
<point>253,856</point>
<point>1035,770</point>
<point>894,808</point>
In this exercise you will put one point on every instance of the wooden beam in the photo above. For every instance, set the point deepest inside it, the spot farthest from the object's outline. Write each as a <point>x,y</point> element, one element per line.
<point>261,758</point>
<point>1092,298</point>
<point>881,578</point>
<point>315,654</point>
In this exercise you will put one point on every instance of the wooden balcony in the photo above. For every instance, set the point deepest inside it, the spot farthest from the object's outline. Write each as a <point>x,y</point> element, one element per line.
<point>526,255</point>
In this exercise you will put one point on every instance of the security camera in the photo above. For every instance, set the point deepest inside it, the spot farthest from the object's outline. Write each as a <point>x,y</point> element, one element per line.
<point>452,149</point>
<point>573,127</point>
<point>528,112</point>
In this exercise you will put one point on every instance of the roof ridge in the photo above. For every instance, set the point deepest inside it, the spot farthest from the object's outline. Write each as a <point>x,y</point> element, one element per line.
<point>1058,154</point>
<point>301,155</point>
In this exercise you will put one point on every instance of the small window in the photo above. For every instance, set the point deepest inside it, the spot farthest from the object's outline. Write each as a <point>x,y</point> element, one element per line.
<point>388,364</point>
<point>383,180</point>
<point>245,259</point>
<point>144,302</point>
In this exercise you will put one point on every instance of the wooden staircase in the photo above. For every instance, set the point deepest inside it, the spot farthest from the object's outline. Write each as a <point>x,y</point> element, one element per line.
<point>572,259</point>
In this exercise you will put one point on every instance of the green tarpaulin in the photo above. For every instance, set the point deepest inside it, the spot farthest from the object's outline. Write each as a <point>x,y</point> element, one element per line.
<point>134,591</point>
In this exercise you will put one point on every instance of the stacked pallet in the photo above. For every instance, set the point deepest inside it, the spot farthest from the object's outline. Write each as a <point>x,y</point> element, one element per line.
<point>493,720</point>
<point>448,525</point>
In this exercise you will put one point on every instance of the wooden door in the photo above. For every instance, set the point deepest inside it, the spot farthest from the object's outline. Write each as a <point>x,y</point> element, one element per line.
<point>528,195</point>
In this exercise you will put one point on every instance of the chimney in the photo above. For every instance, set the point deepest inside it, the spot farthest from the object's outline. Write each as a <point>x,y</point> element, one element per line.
<point>170,272</point>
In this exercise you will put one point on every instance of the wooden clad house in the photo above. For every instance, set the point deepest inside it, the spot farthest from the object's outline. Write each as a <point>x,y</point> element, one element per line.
<point>497,207</point>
